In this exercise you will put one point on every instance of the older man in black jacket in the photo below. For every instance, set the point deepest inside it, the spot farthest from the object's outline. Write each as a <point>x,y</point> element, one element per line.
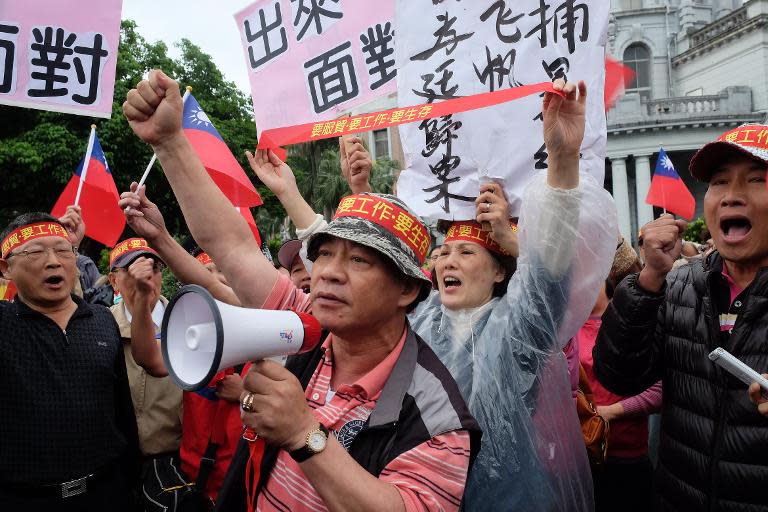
<point>662,324</point>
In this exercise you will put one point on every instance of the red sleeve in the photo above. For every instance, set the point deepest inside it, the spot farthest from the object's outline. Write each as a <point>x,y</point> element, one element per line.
<point>284,296</point>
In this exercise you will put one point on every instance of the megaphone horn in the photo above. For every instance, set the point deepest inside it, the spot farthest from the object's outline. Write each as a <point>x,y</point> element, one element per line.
<point>201,336</point>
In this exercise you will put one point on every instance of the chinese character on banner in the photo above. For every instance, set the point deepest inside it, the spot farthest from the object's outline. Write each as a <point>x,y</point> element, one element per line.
<point>63,68</point>
<point>448,50</point>
<point>9,37</point>
<point>266,40</point>
<point>315,16</point>
<point>60,55</point>
<point>313,60</point>
<point>331,77</point>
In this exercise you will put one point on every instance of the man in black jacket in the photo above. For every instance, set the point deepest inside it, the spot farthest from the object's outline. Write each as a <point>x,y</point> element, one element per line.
<point>662,324</point>
<point>68,439</point>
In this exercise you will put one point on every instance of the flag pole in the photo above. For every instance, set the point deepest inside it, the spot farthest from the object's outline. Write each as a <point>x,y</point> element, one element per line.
<point>154,156</point>
<point>664,190</point>
<point>86,162</point>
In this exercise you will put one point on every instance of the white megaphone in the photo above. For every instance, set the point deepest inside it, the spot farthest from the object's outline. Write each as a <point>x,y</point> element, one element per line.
<point>201,336</point>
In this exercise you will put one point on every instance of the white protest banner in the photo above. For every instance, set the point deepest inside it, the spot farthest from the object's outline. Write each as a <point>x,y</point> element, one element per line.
<point>59,55</point>
<point>310,60</point>
<point>455,48</point>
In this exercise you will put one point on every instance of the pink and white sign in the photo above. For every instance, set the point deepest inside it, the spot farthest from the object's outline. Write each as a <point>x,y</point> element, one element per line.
<point>311,60</point>
<point>59,55</point>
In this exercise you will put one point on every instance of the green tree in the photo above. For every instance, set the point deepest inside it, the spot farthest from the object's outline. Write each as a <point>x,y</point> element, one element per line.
<point>40,150</point>
<point>694,231</point>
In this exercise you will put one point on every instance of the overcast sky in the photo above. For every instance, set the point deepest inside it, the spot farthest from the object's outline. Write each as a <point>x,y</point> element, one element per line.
<point>208,24</point>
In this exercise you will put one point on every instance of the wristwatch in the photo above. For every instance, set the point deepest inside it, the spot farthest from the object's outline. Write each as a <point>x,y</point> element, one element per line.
<point>315,443</point>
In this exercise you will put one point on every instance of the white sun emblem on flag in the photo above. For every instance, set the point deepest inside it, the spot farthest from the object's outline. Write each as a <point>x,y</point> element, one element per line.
<point>667,163</point>
<point>198,117</point>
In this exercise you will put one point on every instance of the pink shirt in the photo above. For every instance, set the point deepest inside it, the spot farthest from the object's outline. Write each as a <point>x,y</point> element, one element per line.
<point>628,436</point>
<point>430,477</point>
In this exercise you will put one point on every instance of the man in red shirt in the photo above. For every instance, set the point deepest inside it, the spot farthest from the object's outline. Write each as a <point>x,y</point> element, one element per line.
<point>403,437</point>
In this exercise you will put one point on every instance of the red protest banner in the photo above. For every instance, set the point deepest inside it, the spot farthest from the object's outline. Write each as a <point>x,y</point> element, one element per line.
<point>276,137</point>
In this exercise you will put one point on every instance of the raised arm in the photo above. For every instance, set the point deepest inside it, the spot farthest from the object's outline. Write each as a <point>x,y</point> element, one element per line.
<point>145,349</point>
<point>629,350</point>
<point>153,110</point>
<point>567,233</point>
<point>278,177</point>
<point>356,164</point>
<point>493,208</point>
<point>144,217</point>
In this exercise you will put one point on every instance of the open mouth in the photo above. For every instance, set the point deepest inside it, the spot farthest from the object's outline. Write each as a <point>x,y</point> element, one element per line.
<point>53,281</point>
<point>735,229</point>
<point>451,283</point>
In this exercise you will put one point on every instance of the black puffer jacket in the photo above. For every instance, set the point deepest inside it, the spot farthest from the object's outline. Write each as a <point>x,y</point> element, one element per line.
<point>714,444</point>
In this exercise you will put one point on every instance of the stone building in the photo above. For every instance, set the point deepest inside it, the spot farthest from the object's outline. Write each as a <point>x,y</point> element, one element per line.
<point>702,68</point>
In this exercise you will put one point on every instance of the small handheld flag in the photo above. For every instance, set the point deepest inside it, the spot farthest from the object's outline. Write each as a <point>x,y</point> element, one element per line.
<point>93,189</point>
<point>617,75</point>
<point>7,290</point>
<point>248,216</point>
<point>668,190</point>
<point>218,160</point>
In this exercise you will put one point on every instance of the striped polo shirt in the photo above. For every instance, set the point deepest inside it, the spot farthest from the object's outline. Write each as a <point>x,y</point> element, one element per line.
<point>430,477</point>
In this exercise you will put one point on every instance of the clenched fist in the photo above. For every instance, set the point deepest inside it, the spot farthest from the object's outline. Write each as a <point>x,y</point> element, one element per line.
<point>153,109</point>
<point>662,243</point>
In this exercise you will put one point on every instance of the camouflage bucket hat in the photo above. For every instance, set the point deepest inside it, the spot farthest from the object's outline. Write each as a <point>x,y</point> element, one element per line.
<point>384,223</point>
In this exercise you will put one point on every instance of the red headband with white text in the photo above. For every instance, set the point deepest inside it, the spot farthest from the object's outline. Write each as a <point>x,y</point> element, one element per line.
<point>405,226</point>
<point>471,231</point>
<point>129,245</point>
<point>29,232</point>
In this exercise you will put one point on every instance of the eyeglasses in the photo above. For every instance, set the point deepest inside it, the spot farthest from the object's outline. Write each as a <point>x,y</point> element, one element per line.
<point>34,255</point>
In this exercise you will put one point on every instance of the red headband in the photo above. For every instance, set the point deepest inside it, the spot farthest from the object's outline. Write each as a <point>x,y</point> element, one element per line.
<point>29,232</point>
<point>204,258</point>
<point>129,245</point>
<point>470,231</point>
<point>750,135</point>
<point>404,225</point>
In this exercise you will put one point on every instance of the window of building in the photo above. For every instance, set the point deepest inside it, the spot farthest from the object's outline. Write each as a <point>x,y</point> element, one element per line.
<point>380,143</point>
<point>638,59</point>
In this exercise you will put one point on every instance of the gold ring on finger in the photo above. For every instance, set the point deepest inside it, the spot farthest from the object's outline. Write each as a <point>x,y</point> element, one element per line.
<point>247,403</point>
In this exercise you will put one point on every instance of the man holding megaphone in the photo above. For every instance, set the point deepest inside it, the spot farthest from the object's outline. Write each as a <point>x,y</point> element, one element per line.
<point>403,438</point>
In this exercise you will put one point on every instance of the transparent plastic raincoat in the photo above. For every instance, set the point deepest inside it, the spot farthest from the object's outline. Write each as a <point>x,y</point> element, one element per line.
<point>507,357</point>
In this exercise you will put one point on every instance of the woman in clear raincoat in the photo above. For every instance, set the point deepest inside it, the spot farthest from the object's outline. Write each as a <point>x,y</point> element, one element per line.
<point>503,345</point>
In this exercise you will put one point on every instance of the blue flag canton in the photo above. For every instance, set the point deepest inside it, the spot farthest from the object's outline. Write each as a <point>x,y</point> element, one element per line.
<point>96,154</point>
<point>195,118</point>
<point>665,167</point>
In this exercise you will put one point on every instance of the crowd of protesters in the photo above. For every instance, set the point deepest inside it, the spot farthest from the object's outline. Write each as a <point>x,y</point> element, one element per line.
<point>450,377</point>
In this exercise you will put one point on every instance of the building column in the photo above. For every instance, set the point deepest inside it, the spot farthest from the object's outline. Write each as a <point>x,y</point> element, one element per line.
<point>621,196</point>
<point>642,184</point>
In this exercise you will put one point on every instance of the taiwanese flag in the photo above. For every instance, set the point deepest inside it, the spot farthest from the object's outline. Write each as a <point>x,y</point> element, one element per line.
<point>617,75</point>
<point>248,216</point>
<point>668,191</point>
<point>7,290</point>
<point>104,220</point>
<point>216,156</point>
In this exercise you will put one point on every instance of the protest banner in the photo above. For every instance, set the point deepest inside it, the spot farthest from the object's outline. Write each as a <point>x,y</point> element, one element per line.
<point>59,55</point>
<point>274,138</point>
<point>310,60</point>
<point>449,49</point>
